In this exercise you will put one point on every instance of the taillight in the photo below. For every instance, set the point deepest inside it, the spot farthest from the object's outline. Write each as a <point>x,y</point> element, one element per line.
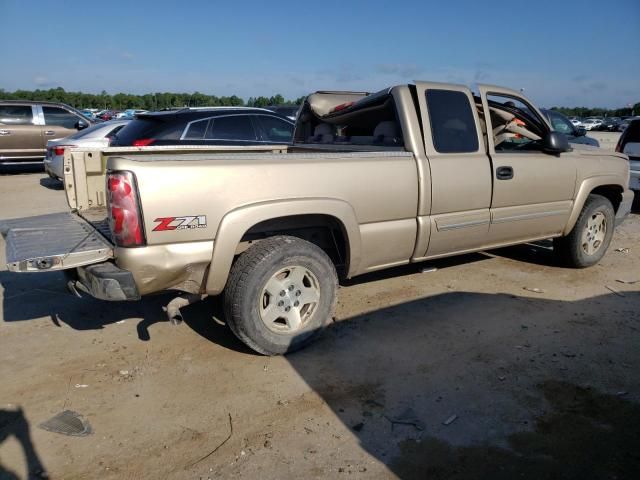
<point>143,142</point>
<point>59,149</point>
<point>619,145</point>
<point>125,220</point>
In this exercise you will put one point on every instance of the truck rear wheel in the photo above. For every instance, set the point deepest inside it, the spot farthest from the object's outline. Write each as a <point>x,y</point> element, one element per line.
<point>280,294</point>
<point>590,237</point>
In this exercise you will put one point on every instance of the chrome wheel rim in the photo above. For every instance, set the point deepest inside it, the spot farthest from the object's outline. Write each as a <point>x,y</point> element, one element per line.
<point>289,299</point>
<point>594,232</point>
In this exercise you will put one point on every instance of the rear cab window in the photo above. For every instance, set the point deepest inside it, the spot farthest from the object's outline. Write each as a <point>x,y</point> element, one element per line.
<point>16,115</point>
<point>453,127</point>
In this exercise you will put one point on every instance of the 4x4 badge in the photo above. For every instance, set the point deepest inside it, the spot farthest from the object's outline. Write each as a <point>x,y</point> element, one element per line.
<point>180,223</point>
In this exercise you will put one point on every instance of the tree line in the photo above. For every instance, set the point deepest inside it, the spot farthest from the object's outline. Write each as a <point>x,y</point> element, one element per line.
<point>583,112</point>
<point>147,101</point>
<point>160,100</point>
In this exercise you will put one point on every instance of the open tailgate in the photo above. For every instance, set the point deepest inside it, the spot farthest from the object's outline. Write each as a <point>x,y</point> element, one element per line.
<point>57,241</point>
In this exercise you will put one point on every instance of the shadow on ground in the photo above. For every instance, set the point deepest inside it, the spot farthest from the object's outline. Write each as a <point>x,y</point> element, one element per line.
<point>51,183</point>
<point>585,435</point>
<point>13,423</point>
<point>20,169</point>
<point>478,386</point>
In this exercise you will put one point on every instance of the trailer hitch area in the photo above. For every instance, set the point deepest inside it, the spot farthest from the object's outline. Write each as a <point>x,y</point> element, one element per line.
<point>173,307</point>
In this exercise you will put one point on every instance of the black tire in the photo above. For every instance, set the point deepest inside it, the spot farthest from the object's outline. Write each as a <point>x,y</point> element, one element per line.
<point>571,249</point>
<point>246,294</point>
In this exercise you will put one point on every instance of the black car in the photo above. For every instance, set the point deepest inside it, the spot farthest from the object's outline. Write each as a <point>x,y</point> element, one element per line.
<point>208,126</point>
<point>609,124</point>
<point>629,144</point>
<point>562,124</point>
<point>289,111</point>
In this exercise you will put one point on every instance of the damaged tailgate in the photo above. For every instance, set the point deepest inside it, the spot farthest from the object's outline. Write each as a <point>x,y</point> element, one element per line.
<point>57,241</point>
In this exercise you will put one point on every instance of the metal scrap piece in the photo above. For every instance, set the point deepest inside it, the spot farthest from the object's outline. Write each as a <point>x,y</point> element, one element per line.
<point>67,423</point>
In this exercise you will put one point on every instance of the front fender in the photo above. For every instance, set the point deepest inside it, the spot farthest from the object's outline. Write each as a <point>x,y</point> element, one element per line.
<point>237,222</point>
<point>586,187</point>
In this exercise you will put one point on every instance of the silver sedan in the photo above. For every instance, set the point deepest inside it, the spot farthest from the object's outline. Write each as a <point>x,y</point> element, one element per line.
<point>99,135</point>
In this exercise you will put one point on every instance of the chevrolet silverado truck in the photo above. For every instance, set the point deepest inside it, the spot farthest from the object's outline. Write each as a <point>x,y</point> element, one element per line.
<point>372,181</point>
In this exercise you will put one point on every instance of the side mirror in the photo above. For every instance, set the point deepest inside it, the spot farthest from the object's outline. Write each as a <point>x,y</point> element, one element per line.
<point>580,132</point>
<point>81,125</point>
<point>555,143</point>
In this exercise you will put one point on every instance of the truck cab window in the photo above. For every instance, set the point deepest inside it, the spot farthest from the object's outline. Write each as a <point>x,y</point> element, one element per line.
<point>515,125</point>
<point>453,127</point>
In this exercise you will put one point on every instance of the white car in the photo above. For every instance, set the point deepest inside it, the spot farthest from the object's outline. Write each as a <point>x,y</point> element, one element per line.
<point>99,135</point>
<point>130,113</point>
<point>575,122</point>
<point>591,123</point>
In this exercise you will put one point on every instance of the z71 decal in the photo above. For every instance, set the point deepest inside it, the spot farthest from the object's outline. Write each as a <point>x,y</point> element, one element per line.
<point>180,223</point>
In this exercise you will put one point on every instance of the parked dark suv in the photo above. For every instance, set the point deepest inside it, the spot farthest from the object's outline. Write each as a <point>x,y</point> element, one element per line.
<point>629,144</point>
<point>208,126</point>
<point>25,128</point>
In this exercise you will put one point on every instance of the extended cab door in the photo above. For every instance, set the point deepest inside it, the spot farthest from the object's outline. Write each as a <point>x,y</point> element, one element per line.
<point>532,190</point>
<point>460,168</point>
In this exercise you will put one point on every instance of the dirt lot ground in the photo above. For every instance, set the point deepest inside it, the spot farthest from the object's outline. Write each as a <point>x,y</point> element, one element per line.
<point>464,372</point>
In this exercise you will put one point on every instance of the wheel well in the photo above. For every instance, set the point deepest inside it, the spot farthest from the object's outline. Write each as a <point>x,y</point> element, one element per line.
<point>612,192</point>
<point>325,231</point>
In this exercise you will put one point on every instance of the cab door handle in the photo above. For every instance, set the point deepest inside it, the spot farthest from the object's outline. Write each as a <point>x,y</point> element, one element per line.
<point>4,133</point>
<point>504,173</point>
<point>49,133</point>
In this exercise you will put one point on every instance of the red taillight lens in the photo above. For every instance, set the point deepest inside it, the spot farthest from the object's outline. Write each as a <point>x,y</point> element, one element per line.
<point>619,145</point>
<point>59,149</point>
<point>125,220</point>
<point>143,142</point>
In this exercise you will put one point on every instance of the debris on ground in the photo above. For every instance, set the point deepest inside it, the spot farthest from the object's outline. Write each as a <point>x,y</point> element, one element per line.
<point>622,250</point>
<point>628,282</point>
<point>218,447</point>
<point>408,417</point>
<point>67,423</point>
<point>611,289</point>
<point>124,373</point>
<point>450,420</point>
<point>534,289</point>
<point>428,270</point>
<point>81,385</point>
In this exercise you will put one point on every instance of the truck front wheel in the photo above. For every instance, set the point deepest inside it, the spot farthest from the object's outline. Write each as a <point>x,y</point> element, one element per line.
<point>280,294</point>
<point>590,237</point>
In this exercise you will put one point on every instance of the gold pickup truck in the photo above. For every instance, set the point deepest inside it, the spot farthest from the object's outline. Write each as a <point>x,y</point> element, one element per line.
<point>371,181</point>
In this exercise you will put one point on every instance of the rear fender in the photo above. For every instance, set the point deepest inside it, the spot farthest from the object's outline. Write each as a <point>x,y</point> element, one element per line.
<point>237,222</point>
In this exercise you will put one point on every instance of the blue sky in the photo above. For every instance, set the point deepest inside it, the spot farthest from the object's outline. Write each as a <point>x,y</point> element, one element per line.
<point>563,52</point>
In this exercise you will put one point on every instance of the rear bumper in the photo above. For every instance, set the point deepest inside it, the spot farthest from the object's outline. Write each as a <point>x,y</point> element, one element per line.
<point>105,281</point>
<point>625,206</point>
